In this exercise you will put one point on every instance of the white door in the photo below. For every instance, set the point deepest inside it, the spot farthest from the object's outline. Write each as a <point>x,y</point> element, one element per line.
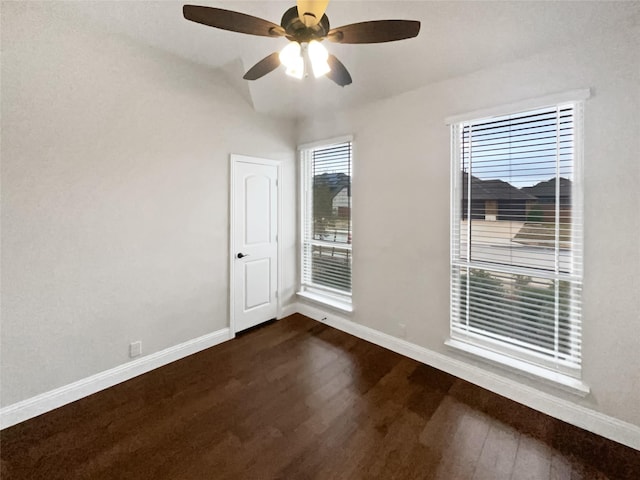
<point>254,241</point>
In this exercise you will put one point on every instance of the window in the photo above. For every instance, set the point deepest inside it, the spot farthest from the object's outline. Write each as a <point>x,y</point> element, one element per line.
<point>516,253</point>
<point>326,222</point>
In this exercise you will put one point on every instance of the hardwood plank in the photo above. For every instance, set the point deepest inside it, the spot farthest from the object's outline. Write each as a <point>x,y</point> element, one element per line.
<point>465,447</point>
<point>296,399</point>
<point>533,460</point>
<point>561,467</point>
<point>498,454</point>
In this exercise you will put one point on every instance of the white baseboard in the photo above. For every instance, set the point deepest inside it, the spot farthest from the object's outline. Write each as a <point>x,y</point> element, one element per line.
<point>578,415</point>
<point>583,417</point>
<point>45,402</point>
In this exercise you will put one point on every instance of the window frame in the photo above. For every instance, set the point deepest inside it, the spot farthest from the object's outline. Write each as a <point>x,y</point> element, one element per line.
<point>337,299</point>
<point>483,346</point>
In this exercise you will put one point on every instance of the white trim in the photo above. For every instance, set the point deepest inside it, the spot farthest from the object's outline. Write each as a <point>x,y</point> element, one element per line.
<point>496,347</point>
<point>565,382</point>
<point>583,417</point>
<point>256,160</point>
<point>45,402</point>
<point>301,201</point>
<point>304,159</point>
<point>326,143</point>
<point>288,310</point>
<point>328,300</point>
<point>280,247</point>
<point>233,160</point>
<point>531,103</point>
<point>567,411</point>
<point>232,222</point>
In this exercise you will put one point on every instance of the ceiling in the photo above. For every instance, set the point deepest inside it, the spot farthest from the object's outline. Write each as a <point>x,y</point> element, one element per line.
<point>456,38</point>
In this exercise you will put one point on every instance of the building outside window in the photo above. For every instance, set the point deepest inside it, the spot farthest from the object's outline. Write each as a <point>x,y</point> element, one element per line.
<point>516,232</point>
<point>326,253</point>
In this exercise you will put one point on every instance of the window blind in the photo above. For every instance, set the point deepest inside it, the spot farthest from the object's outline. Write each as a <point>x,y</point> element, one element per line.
<point>326,218</point>
<point>516,236</point>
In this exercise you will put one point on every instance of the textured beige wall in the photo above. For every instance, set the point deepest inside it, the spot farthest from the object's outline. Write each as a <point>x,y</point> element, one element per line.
<point>115,167</point>
<point>402,164</point>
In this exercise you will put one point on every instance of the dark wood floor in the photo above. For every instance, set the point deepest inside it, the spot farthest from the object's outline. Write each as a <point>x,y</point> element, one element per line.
<point>296,399</point>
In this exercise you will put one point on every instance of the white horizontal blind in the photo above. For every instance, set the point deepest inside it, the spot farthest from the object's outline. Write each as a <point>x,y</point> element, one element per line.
<point>326,218</point>
<point>516,236</point>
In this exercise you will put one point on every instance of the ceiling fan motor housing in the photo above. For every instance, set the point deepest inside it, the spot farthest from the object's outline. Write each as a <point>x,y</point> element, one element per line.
<point>297,31</point>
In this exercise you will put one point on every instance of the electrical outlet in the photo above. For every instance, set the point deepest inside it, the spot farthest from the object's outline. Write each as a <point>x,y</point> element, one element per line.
<point>403,330</point>
<point>135,349</point>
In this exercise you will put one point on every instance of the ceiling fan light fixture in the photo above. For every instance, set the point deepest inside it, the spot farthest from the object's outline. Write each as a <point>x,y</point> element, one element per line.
<point>318,56</point>
<point>304,25</point>
<point>291,57</point>
<point>296,69</point>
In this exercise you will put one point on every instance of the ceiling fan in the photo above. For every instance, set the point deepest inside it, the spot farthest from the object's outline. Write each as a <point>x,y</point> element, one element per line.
<point>305,26</point>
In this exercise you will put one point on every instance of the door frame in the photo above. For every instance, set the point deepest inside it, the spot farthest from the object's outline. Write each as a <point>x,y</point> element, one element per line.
<point>234,159</point>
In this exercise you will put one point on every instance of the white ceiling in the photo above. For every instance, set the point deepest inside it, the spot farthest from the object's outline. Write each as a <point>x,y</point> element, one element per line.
<point>455,38</point>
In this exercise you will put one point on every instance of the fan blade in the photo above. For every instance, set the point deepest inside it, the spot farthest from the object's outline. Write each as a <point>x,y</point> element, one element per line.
<point>264,66</point>
<point>338,73</point>
<point>376,31</point>
<point>232,21</point>
<point>311,11</point>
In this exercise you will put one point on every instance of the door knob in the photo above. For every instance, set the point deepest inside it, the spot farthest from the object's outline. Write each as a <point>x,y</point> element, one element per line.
<point>242,255</point>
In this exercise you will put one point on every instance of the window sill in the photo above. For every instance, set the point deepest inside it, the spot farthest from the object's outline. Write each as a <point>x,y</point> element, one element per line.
<point>338,304</point>
<point>563,381</point>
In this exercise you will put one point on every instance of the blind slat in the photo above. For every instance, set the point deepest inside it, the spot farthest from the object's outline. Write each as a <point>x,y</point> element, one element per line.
<point>326,219</point>
<point>516,237</point>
